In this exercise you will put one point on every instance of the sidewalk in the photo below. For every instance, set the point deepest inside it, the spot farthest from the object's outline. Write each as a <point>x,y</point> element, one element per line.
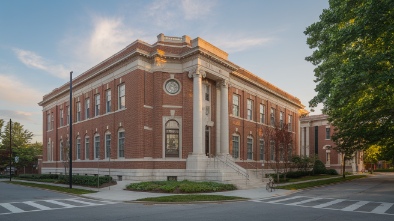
<point>119,194</point>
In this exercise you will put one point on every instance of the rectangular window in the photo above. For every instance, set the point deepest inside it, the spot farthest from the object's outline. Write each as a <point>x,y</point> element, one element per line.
<point>61,118</point>
<point>78,111</point>
<point>235,147</point>
<point>78,148</point>
<point>68,115</point>
<point>328,133</point>
<point>261,149</point>
<point>107,101</point>
<point>122,97</point>
<point>328,157</point>
<point>61,150</point>
<point>87,148</point>
<point>290,123</point>
<point>235,105</point>
<point>273,116</point>
<point>250,148</point>
<point>250,109</point>
<point>48,122</point>
<point>121,144</point>
<point>52,121</point>
<point>262,113</point>
<point>87,108</point>
<point>97,105</point>
<point>207,92</point>
<point>281,119</point>
<point>272,150</point>
<point>107,145</point>
<point>96,147</point>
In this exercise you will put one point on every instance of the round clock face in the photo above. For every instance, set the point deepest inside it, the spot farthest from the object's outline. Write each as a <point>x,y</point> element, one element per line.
<point>172,86</point>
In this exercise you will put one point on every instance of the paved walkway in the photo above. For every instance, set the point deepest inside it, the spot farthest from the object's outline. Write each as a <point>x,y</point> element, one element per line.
<point>118,192</point>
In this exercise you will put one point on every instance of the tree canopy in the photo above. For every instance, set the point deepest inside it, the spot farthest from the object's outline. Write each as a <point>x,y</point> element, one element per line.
<point>354,58</point>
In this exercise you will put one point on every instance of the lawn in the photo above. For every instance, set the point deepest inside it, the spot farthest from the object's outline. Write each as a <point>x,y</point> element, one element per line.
<point>55,188</point>
<point>319,182</point>
<point>190,198</point>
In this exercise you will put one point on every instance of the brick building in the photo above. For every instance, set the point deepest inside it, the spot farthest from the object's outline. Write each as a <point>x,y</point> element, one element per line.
<point>177,108</point>
<point>315,138</point>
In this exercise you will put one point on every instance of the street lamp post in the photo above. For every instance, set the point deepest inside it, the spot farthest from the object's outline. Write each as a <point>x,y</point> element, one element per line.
<point>71,133</point>
<point>10,147</point>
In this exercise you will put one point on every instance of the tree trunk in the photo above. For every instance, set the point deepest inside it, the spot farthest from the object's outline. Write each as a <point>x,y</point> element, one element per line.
<point>343,166</point>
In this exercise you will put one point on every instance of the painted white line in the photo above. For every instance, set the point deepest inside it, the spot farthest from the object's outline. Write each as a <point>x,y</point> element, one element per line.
<point>11,208</point>
<point>382,208</point>
<point>328,203</point>
<point>355,206</point>
<point>285,199</point>
<point>83,202</point>
<point>36,205</point>
<point>304,201</point>
<point>60,203</point>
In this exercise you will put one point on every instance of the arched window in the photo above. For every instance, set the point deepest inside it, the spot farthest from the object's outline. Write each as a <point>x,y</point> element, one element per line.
<point>235,146</point>
<point>121,139</point>
<point>172,139</point>
<point>249,146</point>
<point>107,145</point>
<point>262,149</point>
<point>96,146</point>
<point>78,147</point>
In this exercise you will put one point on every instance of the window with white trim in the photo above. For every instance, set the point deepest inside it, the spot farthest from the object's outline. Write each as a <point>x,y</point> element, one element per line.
<point>273,116</point>
<point>262,113</point>
<point>249,104</point>
<point>236,105</point>
<point>272,150</point>
<point>61,150</point>
<point>97,105</point>
<point>87,147</point>
<point>281,119</point>
<point>107,145</point>
<point>96,146</point>
<point>328,133</point>
<point>121,139</point>
<point>122,97</point>
<point>68,115</point>
<point>48,122</point>
<point>172,138</point>
<point>78,148</point>
<point>249,145</point>
<point>290,123</point>
<point>262,149</point>
<point>108,101</point>
<point>78,111</point>
<point>235,146</point>
<point>87,108</point>
<point>61,120</point>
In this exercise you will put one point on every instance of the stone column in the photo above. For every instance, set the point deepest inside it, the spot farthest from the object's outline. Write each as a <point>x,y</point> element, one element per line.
<point>224,118</point>
<point>217,123</point>
<point>197,75</point>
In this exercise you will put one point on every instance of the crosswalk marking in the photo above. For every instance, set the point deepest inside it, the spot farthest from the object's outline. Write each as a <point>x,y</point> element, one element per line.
<point>304,201</point>
<point>382,208</point>
<point>328,203</point>
<point>291,198</point>
<point>347,205</point>
<point>36,205</point>
<point>11,208</point>
<point>355,206</point>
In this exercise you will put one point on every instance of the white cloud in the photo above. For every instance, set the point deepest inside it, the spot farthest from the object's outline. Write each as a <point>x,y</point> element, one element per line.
<point>17,115</point>
<point>195,9</point>
<point>33,60</point>
<point>14,91</point>
<point>234,44</point>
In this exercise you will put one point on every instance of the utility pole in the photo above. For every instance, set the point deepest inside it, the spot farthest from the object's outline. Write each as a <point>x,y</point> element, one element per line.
<point>10,148</point>
<point>71,134</point>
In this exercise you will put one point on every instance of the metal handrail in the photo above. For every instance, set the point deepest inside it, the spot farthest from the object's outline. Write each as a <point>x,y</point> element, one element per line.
<point>233,166</point>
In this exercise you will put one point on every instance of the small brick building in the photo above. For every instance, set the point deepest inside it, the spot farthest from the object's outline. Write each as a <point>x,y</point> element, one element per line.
<point>176,108</point>
<point>316,135</point>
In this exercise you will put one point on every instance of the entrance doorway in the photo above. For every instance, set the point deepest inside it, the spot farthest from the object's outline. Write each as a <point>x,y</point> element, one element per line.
<point>207,140</point>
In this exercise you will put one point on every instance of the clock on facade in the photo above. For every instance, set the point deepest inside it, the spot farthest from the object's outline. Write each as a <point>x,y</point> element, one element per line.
<point>172,86</point>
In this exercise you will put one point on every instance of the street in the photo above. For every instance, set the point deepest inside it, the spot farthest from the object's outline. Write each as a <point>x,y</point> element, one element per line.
<point>371,198</point>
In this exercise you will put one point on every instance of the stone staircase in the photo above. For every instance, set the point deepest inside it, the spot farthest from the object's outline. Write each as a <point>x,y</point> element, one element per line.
<point>223,169</point>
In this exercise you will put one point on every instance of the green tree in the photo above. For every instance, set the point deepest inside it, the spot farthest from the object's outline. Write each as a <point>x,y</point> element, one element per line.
<point>28,154</point>
<point>354,55</point>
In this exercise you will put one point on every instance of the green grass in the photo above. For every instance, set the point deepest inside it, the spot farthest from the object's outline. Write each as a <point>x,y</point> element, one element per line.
<point>383,170</point>
<point>312,178</point>
<point>56,188</point>
<point>319,182</point>
<point>184,186</point>
<point>190,198</point>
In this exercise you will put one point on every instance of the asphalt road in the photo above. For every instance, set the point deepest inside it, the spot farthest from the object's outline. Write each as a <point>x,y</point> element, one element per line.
<point>365,199</point>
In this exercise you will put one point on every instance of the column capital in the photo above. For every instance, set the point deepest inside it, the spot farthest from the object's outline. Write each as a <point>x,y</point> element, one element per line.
<point>196,72</point>
<point>222,83</point>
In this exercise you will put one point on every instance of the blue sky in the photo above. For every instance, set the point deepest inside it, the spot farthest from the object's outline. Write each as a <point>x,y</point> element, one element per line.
<point>42,41</point>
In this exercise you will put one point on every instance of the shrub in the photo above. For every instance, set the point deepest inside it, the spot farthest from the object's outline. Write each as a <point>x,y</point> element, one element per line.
<point>319,167</point>
<point>85,180</point>
<point>332,172</point>
<point>297,174</point>
<point>182,186</point>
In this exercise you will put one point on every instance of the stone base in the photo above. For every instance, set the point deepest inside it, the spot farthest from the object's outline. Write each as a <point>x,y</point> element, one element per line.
<point>196,165</point>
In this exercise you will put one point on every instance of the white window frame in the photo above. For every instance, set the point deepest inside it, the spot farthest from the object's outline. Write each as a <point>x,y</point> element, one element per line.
<point>290,123</point>
<point>121,143</point>
<point>272,150</point>
<point>78,111</point>
<point>68,115</point>
<point>121,96</point>
<point>328,129</point>
<point>96,143</point>
<point>262,149</point>
<point>96,105</point>
<point>107,145</point>
<point>249,148</point>
<point>262,113</point>
<point>236,99</point>
<point>272,116</point>
<point>78,148</point>
<point>249,105</point>
<point>61,123</point>
<point>61,150</point>
<point>87,147</point>
<point>165,120</point>
<point>281,119</point>
<point>87,108</point>
<point>236,148</point>
<point>108,99</point>
<point>48,121</point>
